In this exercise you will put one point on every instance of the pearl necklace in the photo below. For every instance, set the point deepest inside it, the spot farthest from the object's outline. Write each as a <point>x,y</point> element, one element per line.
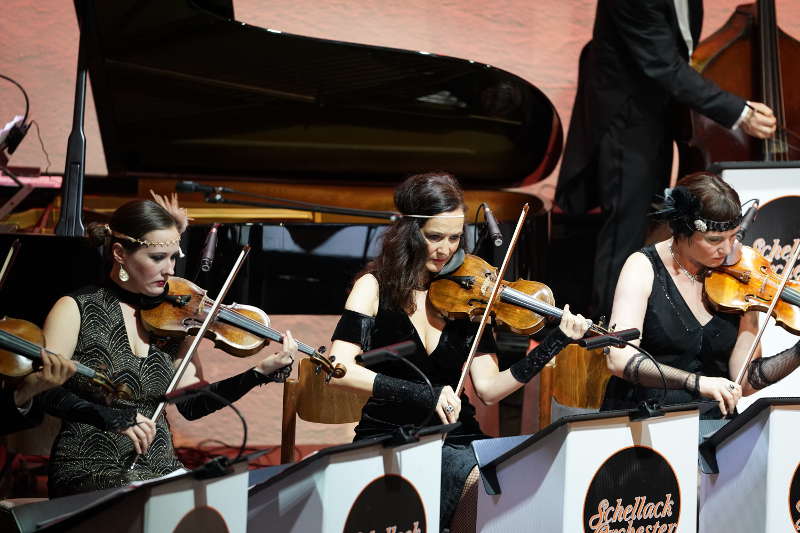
<point>694,277</point>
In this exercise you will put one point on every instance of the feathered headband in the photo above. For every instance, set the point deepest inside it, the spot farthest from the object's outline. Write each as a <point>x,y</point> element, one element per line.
<point>681,205</point>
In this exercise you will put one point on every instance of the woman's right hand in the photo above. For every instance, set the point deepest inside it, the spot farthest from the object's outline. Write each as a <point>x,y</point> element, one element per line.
<point>724,391</point>
<point>141,433</point>
<point>448,406</point>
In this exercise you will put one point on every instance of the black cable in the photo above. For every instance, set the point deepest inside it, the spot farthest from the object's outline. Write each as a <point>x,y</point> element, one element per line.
<point>25,94</point>
<point>41,143</point>
<point>475,229</point>
<point>750,201</point>
<point>433,394</point>
<point>653,359</point>
<point>225,402</point>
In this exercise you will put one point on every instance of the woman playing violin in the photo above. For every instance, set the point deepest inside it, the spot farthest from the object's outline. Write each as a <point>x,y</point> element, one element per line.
<point>389,304</point>
<point>660,291</point>
<point>100,327</point>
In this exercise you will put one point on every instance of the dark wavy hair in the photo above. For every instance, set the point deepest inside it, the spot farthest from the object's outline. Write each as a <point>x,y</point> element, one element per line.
<point>135,219</point>
<point>708,197</point>
<point>400,266</point>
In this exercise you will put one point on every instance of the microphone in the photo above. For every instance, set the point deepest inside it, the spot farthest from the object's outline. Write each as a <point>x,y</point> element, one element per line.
<point>209,248</point>
<point>491,223</point>
<point>749,217</point>
<point>193,186</point>
<point>612,339</point>
<point>385,353</point>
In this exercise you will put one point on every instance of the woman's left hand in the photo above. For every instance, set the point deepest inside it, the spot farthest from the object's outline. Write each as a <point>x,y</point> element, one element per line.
<point>573,326</point>
<point>278,360</point>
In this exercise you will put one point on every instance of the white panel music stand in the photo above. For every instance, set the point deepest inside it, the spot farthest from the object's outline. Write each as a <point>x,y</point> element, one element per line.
<point>543,483</point>
<point>181,503</point>
<point>749,467</point>
<point>318,493</point>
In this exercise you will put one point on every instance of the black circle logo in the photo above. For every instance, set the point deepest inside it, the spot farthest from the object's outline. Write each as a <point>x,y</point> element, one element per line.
<point>794,499</point>
<point>202,519</point>
<point>390,503</point>
<point>634,490</point>
<point>772,233</point>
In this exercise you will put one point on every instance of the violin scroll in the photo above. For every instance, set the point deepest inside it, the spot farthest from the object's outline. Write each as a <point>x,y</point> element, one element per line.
<point>323,363</point>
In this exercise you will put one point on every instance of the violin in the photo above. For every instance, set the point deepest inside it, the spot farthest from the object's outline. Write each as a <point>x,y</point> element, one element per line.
<point>750,284</point>
<point>20,347</point>
<point>520,306</point>
<point>240,330</point>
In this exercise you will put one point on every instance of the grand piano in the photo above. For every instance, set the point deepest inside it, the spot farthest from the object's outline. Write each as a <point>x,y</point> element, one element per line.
<point>183,91</point>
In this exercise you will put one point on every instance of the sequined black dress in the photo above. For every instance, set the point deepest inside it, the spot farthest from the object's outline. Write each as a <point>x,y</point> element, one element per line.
<point>85,457</point>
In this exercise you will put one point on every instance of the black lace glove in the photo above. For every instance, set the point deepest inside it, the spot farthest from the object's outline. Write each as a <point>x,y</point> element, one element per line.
<point>402,391</point>
<point>65,404</point>
<point>530,365</point>
<point>768,370</point>
<point>199,405</point>
<point>640,370</point>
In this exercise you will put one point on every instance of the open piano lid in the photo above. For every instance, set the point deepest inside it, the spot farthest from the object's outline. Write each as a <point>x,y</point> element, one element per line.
<point>183,89</point>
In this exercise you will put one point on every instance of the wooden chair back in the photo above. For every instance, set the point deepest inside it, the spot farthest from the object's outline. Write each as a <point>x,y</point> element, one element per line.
<point>576,378</point>
<point>313,400</point>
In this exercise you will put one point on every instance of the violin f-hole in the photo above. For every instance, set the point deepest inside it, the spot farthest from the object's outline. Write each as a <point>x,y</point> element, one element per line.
<point>178,300</point>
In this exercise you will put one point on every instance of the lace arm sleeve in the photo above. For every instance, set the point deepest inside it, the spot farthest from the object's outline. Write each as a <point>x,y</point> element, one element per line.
<point>65,404</point>
<point>642,371</point>
<point>530,365</point>
<point>232,388</point>
<point>765,371</point>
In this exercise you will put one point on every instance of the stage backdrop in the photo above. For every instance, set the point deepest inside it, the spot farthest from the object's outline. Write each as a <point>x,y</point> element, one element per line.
<point>538,40</point>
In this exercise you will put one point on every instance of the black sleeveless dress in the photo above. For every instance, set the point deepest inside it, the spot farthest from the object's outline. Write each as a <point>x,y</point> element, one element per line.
<point>672,334</point>
<point>84,457</point>
<point>442,367</point>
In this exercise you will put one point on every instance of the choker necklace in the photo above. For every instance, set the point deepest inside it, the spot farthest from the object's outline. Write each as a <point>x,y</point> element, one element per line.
<point>139,301</point>
<point>694,277</point>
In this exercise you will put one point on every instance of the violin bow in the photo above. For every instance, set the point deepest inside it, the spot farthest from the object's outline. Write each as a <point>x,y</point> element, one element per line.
<point>210,317</point>
<point>788,270</point>
<point>495,290</point>
<point>9,261</point>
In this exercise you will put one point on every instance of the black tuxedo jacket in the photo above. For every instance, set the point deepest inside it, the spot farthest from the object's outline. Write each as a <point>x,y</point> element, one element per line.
<point>637,57</point>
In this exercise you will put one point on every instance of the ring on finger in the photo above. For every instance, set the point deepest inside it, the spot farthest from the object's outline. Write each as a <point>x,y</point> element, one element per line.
<point>449,408</point>
<point>732,387</point>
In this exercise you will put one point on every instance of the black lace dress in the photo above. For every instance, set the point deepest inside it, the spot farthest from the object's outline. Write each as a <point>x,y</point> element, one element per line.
<point>87,458</point>
<point>442,367</point>
<point>673,335</point>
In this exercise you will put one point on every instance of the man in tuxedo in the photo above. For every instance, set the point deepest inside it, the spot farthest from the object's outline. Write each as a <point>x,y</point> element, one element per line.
<point>618,153</point>
<point>18,406</point>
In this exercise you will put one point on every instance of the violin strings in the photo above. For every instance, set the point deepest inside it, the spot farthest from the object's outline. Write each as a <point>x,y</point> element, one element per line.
<point>253,326</point>
<point>789,294</point>
<point>19,345</point>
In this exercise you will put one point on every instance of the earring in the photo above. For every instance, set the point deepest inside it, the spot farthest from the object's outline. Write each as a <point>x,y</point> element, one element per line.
<point>123,274</point>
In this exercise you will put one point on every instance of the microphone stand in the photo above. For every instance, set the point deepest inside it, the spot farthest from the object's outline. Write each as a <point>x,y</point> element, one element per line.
<point>216,196</point>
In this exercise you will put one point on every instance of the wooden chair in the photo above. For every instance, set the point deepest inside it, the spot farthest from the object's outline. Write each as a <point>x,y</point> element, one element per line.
<point>313,400</point>
<point>576,378</point>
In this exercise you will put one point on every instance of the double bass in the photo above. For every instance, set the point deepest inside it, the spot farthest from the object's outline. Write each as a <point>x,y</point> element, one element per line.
<point>750,56</point>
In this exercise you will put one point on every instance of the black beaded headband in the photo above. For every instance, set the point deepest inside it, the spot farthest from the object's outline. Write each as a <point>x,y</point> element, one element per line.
<point>681,205</point>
